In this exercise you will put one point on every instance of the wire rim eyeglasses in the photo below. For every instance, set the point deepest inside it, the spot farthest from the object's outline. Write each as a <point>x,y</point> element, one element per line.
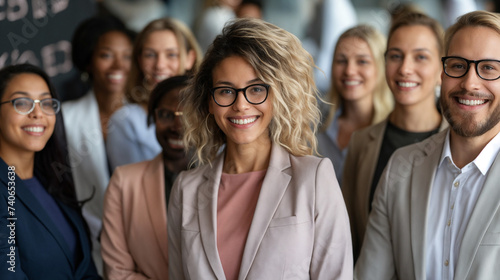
<point>25,105</point>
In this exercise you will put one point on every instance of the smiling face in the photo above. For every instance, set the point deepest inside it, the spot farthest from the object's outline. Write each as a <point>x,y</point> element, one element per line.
<point>169,126</point>
<point>470,104</point>
<point>25,134</point>
<point>160,57</point>
<point>111,62</point>
<point>354,72</point>
<point>242,122</point>
<point>413,65</point>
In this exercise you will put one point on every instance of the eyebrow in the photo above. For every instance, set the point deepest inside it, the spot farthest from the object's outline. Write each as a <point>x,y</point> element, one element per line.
<point>154,50</point>
<point>413,50</point>
<point>27,94</point>
<point>232,85</point>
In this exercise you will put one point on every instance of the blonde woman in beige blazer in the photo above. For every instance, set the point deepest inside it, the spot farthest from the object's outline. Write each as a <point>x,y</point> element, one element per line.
<point>260,205</point>
<point>413,72</point>
<point>134,236</point>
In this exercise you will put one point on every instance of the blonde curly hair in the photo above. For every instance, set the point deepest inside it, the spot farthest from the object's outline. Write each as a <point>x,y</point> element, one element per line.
<point>280,61</point>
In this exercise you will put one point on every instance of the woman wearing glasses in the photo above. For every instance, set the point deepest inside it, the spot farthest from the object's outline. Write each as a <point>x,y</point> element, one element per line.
<point>413,72</point>
<point>134,236</point>
<point>42,232</point>
<point>259,206</point>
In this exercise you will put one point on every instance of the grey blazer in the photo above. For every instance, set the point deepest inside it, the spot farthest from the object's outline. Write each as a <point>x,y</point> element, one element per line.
<point>359,168</point>
<point>300,228</point>
<point>394,244</point>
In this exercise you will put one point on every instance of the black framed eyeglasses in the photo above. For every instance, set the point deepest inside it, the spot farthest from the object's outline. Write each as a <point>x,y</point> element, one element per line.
<point>166,116</point>
<point>25,105</point>
<point>226,96</point>
<point>457,67</point>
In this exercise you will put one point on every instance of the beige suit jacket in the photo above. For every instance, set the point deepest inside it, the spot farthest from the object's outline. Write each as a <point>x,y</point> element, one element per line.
<point>300,228</point>
<point>394,245</point>
<point>134,236</point>
<point>359,168</point>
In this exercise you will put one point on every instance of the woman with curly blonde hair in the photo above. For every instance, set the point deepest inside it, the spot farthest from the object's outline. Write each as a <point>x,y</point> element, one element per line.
<point>259,205</point>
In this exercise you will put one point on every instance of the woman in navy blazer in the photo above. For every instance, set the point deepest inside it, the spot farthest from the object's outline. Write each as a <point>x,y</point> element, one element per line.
<point>42,232</point>
<point>260,205</point>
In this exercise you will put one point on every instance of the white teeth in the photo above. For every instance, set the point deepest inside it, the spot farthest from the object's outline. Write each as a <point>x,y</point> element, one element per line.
<point>352,83</point>
<point>115,76</point>
<point>34,129</point>
<point>471,102</point>
<point>407,84</point>
<point>243,121</point>
<point>176,142</point>
<point>160,77</point>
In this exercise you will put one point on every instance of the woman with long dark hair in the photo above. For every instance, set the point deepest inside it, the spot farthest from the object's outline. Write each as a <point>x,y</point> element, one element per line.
<point>42,232</point>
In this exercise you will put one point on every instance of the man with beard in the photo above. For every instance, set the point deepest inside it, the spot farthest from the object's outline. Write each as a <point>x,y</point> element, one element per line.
<point>436,211</point>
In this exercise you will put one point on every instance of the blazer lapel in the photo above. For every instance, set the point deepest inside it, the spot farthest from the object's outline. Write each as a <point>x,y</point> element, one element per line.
<point>273,187</point>
<point>154,191</point>
<point>487,206</point>
<point>369,157</point>
<point>76,220</point>
<point>424,170</point>
<point>207,214</point>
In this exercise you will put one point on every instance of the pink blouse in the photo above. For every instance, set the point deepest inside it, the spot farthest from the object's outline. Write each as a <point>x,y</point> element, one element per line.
<point>237,199</point>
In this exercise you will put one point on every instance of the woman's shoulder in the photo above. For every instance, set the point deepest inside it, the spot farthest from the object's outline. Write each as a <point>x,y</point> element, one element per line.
<point>198,171</point>
<point>79,108</point>
<point>309,161</point>
<point>128,112</point>
<point>369,131</point>
<point>129,116</point>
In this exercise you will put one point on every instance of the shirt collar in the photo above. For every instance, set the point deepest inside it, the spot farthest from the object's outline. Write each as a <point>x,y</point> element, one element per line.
<point>446,154</point>
<point>485,158</point>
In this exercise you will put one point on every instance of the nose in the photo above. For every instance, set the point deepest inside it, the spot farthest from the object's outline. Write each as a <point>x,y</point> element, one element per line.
<point>118,63</point>
<point>350,68</point>
<point>241,103</point>
<point>37,111</point>
<point>178,123</point>
<point>161,61</point>
<point>406,66</point>
<point>471,81</point>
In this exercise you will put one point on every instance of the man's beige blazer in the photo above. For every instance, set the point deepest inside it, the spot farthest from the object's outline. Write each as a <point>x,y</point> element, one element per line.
<point>394,244</point>
<point>134,235</point>
<point>300,228</point>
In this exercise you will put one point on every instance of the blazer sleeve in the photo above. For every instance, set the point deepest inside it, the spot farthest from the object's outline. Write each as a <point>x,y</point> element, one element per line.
<point>118,262</point>
<point>174,225</point>
<point>376,260</point>
<point>332,251</point>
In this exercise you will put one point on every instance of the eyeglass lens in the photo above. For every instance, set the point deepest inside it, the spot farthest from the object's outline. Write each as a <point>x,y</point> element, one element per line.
<point>254,94</point>
<point>486,69</point>
<point>165,115</point>
<point>50,106</point>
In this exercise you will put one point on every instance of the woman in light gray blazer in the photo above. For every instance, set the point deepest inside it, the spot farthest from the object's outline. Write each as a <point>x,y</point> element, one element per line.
<point>259,205</point>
